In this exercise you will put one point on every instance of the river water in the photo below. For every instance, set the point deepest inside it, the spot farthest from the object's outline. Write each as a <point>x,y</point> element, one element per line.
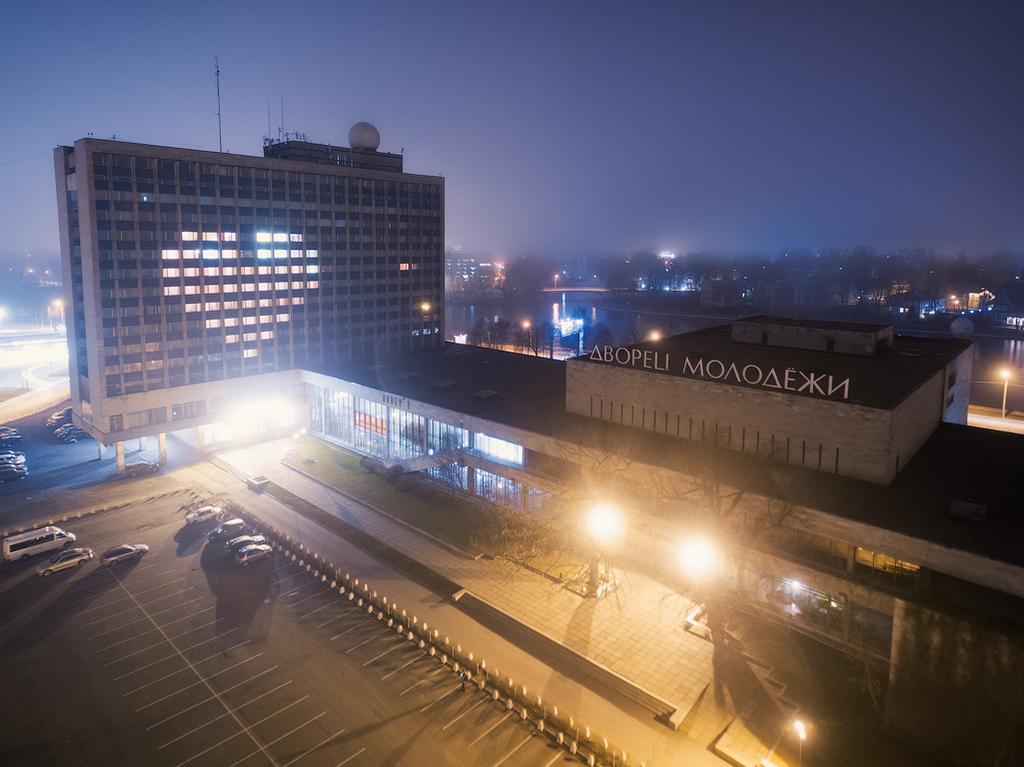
<point>626,326</point>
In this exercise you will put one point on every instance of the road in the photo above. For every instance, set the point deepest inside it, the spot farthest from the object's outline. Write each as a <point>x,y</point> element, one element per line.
<point>184,659</point>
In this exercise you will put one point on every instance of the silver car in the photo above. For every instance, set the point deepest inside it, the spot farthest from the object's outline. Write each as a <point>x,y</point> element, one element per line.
<point>123,553</point>
<point>64,560</point>
<point>203,514</point>
<point>252,553</point>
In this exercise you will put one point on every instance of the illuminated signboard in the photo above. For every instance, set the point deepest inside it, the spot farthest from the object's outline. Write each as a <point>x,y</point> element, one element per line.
<point>713,369</point>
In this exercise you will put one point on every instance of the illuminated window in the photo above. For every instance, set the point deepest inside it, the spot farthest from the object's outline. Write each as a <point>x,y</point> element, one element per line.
<point>249,304</point>
<point>190,271</point>
<point>299,300</point>
<point>192,307</point>
<point>248,270</point>
<point>229,237</point>
<point>172,291</point>
<point>229,270</point>
<point>191,290</point>
<point>172,272</point>
<point>211,271</point>
<point>231,339</point>
<point>297,286</point>
<point>230,322</point>
<point>266,335</point>
<point>248,288</point>
<point>282,318</point>
<point>230,288</point>
<point>295,237</point>
<point>283,302</point>
<point>312,268</point>
<point>280,286</point>
<point>281,253</point>
<point>213,323</point>
<point>266,302</point>
<point>249,352</point>
<point>170,253</point>
<point>248,336</point>
<point>210,253</point>
<point>498,449</point>
<point>190,254</point>
<point>264,253</point>
<point>282,269</point>
<point>280,237</point>
<point>265,270</point>
<point>229,253</point>
<point>313,284</point>
<point>210,237</point>
<point>230,304</point>
<point>311,254</point>
<point>296,253</point>
<point>248,320</point>
<point>189,236</point>
<point>265,319</point>
<point>212,306</point>
<point>403,267</point>
<point>264,286</point>
<point>263,237</point>
<point>211,288</point>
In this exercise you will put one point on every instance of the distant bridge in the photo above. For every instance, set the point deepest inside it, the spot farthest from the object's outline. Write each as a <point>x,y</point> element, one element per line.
<point>575,290</point>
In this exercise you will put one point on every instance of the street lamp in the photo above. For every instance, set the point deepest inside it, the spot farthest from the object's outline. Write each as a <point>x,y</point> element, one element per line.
<point>556,280</point>
<point>801,733</point>
<point>58,306</point>
<point>699,558</point>
<point>425,307</point>
<point>604,524</point>
<point>1005,375</point>
<point>654,335</point>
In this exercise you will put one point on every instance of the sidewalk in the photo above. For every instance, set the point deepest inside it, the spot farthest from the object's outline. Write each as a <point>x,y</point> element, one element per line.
<point>638,631</point>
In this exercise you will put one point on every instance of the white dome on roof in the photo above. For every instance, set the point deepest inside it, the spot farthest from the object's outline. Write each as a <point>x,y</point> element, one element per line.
<point>364,135</point>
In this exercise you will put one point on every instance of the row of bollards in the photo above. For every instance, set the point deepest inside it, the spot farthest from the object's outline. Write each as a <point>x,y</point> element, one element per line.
<point>563,730</point>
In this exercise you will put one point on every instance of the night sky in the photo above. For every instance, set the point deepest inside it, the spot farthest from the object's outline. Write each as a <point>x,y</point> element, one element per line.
<point>565,127</point>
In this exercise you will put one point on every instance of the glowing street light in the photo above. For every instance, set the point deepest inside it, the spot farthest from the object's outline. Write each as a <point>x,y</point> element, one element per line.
<point>58,308</point>
<point>654,335</point>
<point>525,324</point>
<point>1005,375</point>
<point>604,525</point>
<point>425,307</point>
<point>801,733</point>
<point>699,558</point>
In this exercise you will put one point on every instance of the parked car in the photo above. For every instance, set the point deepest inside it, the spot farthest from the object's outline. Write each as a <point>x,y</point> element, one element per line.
<point>11,473</point>
<point>252,553</point>
<point>70,558</point>
<point>12,458</point>
<point>123,553</point>
<point>64,429</point>
<point>237,544</point>
<point>7,437</point>
<point>203,514</point>
<point>141,469</point>
<point>231,528</point>
<point>73,436</point>
<point>59,417</point>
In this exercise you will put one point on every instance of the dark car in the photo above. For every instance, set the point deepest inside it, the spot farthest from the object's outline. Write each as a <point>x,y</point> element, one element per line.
<point>126,552</point>
<point>230,528</point>
<point>235,544</point>
<point>141,469</point>
<point>9,436</point>
<point>11,473</point>
<point>63,429</point>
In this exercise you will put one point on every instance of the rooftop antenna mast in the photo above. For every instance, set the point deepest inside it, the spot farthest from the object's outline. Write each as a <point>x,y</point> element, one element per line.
<point>216,77</point>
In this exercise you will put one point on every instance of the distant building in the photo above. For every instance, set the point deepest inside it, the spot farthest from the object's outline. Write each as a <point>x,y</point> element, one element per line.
<point>915,304</point>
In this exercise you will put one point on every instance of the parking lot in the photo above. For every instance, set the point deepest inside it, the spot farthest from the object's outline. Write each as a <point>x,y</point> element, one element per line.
<point>183,658</point>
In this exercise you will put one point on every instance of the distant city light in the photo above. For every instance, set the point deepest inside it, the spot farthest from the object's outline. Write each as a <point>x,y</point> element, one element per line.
<point>525,324</point>
<point>667,255</point>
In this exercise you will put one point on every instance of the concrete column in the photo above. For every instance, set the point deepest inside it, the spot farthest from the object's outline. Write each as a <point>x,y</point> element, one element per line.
<point>161,448</point>
<point>119,450</point>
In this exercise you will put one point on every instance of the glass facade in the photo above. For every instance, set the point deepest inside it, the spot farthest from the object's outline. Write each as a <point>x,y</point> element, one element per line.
<point>499,450</point>
<point>496,488</point>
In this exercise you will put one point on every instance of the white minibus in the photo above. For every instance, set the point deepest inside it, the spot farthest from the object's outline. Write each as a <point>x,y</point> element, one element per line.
<point>24,545</point>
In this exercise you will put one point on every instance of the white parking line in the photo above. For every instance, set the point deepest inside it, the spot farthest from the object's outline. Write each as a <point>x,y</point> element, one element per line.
<point>297,588</point>
<point>353,628</point>
<point>318,609</point>
<point>212,697</point>
<point>555,758</point>
<point>202,680</point>
<point>343,762</point>
<point>507,756</point>
<point>186,617</point>
<point>438,700</point>
<point>424,679</point>
<point>183,668</point>
<point>321,591</point>
<point>308,751</point>
<point>120,599</point>
<point>172,655</point>
<point>407,663</point>
<point>453,721</point>
<point>137,620</point>
<point>205,682</point>
<point>281,737</point>
<point>328,622</point>
<point>490,729</point>
<point>237,708</point>
<point>381,655</point>
<point>356,647</point>
<point>160,626</point>
<point>122,641</point>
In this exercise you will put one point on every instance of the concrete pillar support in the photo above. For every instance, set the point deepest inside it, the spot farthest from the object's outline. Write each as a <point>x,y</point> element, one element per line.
<point>162,448</point>
<point>119,450</point>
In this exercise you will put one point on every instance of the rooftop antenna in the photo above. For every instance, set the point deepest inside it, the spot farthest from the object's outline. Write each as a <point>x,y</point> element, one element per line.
<point>270,130</point>
<point>216,77</point>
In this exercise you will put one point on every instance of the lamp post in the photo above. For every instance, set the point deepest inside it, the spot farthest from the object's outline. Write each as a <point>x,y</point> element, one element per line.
<point>604,526</point>
<point>1005,375</point>
<point>527,326</point>
<point>700,560</point>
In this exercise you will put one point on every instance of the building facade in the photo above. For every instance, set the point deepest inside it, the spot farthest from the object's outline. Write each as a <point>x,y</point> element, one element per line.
<point>193,278</point>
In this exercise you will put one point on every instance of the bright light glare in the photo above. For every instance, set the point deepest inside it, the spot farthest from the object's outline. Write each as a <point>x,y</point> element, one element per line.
<point>526,324</point>
<point>604,524</point>
<point>1004,374</point>
<point>800,729</point>
<point>698,557</point>
<point>654,335</point>
<point>425,306</point>
<point>254,415</point>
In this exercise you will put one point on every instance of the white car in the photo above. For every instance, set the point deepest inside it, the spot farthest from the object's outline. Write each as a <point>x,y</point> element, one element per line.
<point>123,553</point>
<point>64,560</point>
<point>252,553</point>
<point>203,514</point>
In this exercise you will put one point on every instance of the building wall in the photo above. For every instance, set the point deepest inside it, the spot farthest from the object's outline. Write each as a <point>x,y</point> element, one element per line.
<point>850,440</point>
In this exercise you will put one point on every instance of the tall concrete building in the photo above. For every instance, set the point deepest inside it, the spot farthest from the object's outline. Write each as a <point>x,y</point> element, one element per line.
<point>195,279</point>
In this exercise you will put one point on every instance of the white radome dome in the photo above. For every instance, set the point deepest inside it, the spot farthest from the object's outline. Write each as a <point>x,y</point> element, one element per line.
<point>961,328</point>
<point>363,135</point>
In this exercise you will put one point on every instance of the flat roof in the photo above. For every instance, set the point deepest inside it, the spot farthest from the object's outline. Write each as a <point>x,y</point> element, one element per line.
<point>880,381</point>
<point>855,327</point>
<point>956,462</point>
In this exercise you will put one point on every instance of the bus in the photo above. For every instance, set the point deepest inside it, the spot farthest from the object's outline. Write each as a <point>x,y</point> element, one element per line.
<point>24,545</point>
